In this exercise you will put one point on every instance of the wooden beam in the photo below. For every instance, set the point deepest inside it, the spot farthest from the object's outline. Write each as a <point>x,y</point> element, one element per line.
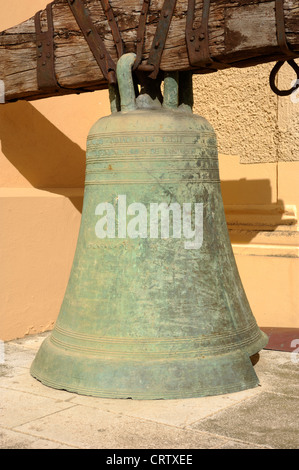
<point>239,30</point>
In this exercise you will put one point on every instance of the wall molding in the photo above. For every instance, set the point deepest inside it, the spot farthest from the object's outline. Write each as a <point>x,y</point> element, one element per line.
<point>263,230</point>
<point>261,217</point>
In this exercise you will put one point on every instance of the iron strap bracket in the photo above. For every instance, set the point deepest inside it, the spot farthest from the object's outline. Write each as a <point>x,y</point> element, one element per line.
<point>285,49</point>
<point>280,28</point>
<point>46,77</point>
<point>93,39</point>
<point>159,40</point>
<point>197,39</point>
<point>114,27</point>
<point>141,34</point>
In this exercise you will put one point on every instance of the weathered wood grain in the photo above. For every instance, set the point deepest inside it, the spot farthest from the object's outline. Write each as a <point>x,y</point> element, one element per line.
<point>238,30</point>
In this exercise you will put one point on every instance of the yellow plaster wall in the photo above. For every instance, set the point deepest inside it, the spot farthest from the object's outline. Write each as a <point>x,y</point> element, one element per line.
<point>259,169</point>
<point>42,167</point>
<point>42,164</point>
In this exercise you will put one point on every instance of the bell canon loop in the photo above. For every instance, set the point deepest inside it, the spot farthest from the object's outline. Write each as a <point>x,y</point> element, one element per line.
<point>154,307</point>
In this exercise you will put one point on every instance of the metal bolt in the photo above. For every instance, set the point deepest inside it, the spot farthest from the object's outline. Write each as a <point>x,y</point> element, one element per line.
<point>201,36</point>
<point>192,38</point>
<point>88,32</point>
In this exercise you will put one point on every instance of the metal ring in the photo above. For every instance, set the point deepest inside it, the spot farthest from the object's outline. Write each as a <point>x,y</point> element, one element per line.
<point>273,75</point>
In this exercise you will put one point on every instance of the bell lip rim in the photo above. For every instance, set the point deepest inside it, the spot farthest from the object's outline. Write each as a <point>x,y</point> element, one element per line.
<point>228,389</point>
<point>245,380</point>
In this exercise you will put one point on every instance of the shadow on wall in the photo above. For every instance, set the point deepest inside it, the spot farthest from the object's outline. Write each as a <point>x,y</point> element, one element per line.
<point>245,192</point>
<point>45,156</point>
<point>249,208</point>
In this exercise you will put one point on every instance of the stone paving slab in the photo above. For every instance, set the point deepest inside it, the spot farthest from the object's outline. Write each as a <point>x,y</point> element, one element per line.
<point>278,373</point>
<point>24,382</point>
<point>268,420</point>
<point>19,407</point>
<point>17,440</point>
<point>86,427</point>
<point>172,412</point>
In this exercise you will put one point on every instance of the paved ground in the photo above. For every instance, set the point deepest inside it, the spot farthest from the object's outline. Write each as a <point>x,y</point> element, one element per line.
<point>33,416</point>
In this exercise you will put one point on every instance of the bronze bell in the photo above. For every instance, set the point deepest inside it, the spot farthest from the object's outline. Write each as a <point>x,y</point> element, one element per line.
<point>154,307</point>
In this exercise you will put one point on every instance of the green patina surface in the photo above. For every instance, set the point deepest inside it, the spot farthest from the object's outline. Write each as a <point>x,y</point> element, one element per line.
<point>145,317</point>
